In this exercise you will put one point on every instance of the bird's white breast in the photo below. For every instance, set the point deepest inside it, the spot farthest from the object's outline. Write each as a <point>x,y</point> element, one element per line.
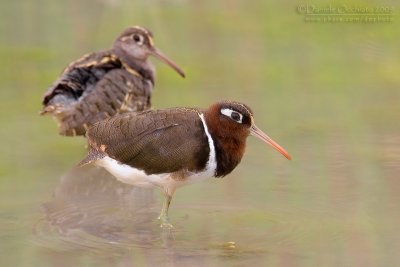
<point>128,174</point>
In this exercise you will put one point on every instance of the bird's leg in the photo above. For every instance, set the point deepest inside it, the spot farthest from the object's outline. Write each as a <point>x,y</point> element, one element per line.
<point>164,211</point>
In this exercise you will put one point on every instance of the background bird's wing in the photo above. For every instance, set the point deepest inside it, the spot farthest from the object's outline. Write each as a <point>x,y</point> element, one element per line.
<point>75,78</point>
<point>118,88</point>
<point>117,92</point>
<point>154,141</point>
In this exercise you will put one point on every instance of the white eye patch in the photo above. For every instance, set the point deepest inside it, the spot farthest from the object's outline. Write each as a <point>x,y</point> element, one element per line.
<point>232,114</point>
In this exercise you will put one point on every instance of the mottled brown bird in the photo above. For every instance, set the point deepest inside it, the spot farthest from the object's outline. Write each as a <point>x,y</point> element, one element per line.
<point>102,84</point>
<point>173,147</point>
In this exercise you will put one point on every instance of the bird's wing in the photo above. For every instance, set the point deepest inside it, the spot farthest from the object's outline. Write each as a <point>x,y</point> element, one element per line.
<point>117,92</point>
<point>162,141</point>
<point>73,79</point>
<point>81,76</point>
<point>118,88</point>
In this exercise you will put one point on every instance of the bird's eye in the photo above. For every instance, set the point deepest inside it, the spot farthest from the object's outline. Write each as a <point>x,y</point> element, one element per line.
<point>234,115</point>
<point>138,39</point>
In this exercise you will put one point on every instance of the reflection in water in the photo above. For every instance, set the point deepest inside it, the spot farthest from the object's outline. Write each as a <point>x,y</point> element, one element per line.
<point>91,212</point>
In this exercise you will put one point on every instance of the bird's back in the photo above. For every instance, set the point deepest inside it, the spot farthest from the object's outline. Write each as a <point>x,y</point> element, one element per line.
<point>162,141</point>
<point>97,86</point>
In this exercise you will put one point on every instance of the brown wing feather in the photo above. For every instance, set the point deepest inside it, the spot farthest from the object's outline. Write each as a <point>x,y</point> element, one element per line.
<point>117,92</point>
<point>74,77</point>
<point>154,141</point>
<point>93,88</point>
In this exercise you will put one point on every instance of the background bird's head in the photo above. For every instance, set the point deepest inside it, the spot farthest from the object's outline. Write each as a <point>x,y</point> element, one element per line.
<point>136,44</point>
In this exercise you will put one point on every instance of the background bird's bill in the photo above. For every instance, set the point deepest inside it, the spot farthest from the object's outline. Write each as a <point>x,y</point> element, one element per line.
<point>157,53</point>
<point>255,131</point>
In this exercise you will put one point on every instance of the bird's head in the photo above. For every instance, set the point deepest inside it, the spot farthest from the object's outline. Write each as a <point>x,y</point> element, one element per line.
<point>234,121</point>
<point>137,44</point>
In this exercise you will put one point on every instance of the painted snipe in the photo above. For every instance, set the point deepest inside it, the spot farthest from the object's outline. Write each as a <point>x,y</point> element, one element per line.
<point>173,147</point>
<point>102,84</point>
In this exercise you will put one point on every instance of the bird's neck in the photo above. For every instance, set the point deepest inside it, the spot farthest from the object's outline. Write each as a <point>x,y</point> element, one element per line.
<point>229,148</point>
<point>143,67</point>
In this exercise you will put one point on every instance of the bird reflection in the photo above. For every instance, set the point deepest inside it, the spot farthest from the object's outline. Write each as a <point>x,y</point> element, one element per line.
<point>91,209</point>
<point>91,214</point>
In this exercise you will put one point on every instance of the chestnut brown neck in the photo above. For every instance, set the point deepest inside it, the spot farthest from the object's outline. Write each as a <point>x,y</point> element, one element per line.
<point>229,140</point>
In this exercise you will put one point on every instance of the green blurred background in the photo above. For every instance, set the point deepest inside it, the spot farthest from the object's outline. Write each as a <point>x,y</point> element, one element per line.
<point>327,92</point>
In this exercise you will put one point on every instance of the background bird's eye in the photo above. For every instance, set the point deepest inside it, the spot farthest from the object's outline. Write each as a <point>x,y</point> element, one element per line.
<point>138,38</point>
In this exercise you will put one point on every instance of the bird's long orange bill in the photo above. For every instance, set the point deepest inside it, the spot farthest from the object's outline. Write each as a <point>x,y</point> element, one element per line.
<point>255,131</point>
<point>157,53</point>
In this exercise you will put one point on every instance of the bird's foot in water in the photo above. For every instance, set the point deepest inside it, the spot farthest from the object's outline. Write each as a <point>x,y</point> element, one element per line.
<point>165,223</point>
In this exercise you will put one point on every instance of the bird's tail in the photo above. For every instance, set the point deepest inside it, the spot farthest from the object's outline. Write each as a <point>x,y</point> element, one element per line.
<point>91,157</point>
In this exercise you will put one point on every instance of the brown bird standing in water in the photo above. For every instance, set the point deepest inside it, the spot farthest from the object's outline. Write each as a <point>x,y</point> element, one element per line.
<point>102,84</point>
<point>174,147</point>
